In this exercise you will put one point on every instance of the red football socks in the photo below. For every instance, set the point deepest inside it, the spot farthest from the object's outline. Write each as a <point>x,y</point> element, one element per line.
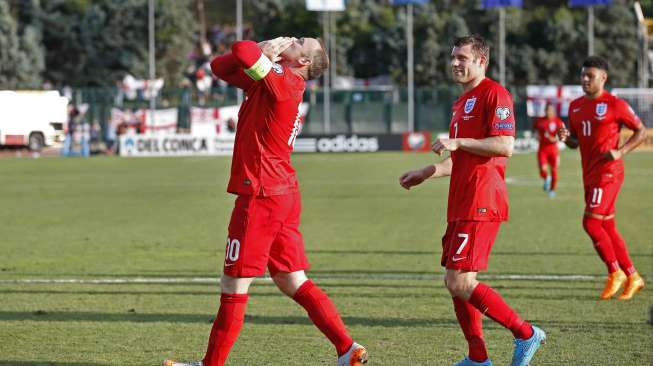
<point>471,323</point>
<point>619,247</point>
<point>226,328</point>
<point>490,303</point>
<point>554,177</point>
<point>602,242</point>
<point>324,315</point>
<point>543,172</point>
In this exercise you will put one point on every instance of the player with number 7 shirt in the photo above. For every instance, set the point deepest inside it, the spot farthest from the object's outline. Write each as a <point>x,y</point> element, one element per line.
<point>481,138</point>
<point>264,228</point>
<point>595,121</point>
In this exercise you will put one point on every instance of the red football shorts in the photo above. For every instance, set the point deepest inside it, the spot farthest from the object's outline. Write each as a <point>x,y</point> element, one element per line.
<point>264,233</point>
<point>601,196</point>
<point>548,155</point>
<point>466,245</point>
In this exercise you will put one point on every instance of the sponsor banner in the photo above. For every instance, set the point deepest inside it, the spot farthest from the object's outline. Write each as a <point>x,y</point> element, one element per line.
<point>647,145</point>
<point>348,143</point>
<point>416,141</point>
<point>174,145</point>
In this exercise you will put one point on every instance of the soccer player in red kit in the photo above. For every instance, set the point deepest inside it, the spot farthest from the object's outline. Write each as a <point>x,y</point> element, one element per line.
<point>264,227</point>
<point>481,138</point>
<point>594,123</point>
<point>547,152</point>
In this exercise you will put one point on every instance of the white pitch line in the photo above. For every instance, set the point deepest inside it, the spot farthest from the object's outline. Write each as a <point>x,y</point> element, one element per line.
<point>362,276</point>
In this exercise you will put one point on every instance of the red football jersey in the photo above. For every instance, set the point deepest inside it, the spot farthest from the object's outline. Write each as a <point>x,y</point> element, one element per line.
<point>596,124</point>
<point>477,190</point>
<point>546,130</point>
<point>268,123</point>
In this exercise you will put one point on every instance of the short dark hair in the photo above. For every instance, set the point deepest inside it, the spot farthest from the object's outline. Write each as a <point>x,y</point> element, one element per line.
<point>479,45</point>
<point>598,62</point>
<point>319,61</point>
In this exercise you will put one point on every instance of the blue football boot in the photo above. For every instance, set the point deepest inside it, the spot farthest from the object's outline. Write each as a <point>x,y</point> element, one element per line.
<point>525,348</point>
<point>468,362</point>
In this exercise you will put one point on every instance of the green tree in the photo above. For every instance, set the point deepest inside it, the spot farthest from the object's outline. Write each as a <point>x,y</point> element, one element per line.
<point>9,48</point>
<point>103,40</point>
<point>21,53</point>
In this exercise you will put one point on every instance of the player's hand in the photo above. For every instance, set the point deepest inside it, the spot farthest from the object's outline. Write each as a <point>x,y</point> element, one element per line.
<point>613,154</point>
<point>440,145</point>
<point>563,134</point>
<point>274,47</point>
<point>412,178</point>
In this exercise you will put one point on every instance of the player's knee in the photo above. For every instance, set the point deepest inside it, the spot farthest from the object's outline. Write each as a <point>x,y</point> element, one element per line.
<point>594,228</point>
<point>234,285</point>
<point>289,283</point>
<point>456,285</point>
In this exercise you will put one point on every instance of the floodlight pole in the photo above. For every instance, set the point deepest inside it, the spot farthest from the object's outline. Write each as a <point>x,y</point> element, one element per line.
<point>152,63</point>
<point>409,61</point>
<point>590,30</point>
<point>239,36</point>
<point>643,35</point>
<point>502,46</point>
<point>332,48</point>
<point>326,88</point>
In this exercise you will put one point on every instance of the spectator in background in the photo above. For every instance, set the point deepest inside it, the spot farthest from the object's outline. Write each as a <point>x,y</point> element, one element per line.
<point>71,126</point>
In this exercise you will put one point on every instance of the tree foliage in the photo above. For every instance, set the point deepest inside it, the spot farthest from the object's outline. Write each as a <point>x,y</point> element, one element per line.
<point>95,42</point>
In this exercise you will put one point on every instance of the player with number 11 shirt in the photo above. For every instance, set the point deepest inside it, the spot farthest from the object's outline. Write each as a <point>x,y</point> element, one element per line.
<point>595,121</point>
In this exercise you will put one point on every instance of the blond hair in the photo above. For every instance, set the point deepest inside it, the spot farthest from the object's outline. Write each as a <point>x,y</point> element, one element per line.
<point>319,61</point>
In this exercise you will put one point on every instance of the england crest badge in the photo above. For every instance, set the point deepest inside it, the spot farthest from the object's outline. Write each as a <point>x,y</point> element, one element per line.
<point>601,110</point>
<point>469,104</point>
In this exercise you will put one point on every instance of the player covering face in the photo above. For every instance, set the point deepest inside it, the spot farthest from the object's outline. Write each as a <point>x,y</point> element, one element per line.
<point>595,121</point>
<point>481,137</point>
<point>263,232</point>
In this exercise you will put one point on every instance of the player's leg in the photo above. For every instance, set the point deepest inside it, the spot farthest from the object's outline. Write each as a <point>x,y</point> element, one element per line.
<point>554,161</point>
<point>542,165</point>
<point>229,320</point>
<point>469,318</point>
<point>287,264</point>
<point>251,233</point>
<point>470,256</point>
<point>599,204</point>
<point>634,281</point>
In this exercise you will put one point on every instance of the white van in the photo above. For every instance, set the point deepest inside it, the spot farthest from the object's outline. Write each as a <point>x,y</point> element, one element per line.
<point>32,118</point>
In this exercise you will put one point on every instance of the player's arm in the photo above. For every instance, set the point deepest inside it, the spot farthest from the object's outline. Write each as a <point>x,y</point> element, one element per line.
<point>227,68</point>
<point>633,141</point>
<point>493,146</point>
<point>257,61</point>
<point>628,118</point>
<point>568,137</point>
<point>414,177</point>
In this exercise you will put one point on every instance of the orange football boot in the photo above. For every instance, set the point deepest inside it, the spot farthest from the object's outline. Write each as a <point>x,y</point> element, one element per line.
<point>634,283</point>
<point>613,284</point>
<point>356,356</point>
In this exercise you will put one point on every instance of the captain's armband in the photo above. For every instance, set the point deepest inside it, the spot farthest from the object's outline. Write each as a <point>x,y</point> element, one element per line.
<point>260,68</point>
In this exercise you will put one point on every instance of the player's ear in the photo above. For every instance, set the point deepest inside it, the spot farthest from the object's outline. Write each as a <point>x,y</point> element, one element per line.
<point>482,60</point>
<point>304,61</point>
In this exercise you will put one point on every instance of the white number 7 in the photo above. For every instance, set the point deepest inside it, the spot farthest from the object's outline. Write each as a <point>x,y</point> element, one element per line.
<point>462,246</point>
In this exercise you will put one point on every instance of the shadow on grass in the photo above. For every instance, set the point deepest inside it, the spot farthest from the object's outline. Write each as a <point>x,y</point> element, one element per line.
<point>59,316</point>
<point>47,363</point>
<point>449,322</point>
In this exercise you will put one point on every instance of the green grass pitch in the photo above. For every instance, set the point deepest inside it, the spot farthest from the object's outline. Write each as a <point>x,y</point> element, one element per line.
<point>374,248</point>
